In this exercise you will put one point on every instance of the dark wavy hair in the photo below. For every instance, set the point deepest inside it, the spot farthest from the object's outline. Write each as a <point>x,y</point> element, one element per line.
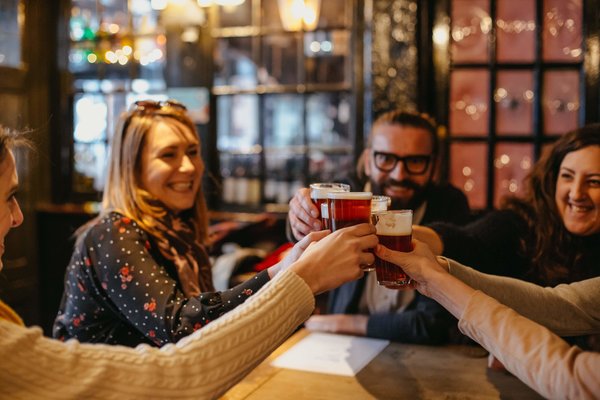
<point>555,252</point>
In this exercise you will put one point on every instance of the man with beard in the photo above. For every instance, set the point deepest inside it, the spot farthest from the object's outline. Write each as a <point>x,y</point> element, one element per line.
<point>399,161</point>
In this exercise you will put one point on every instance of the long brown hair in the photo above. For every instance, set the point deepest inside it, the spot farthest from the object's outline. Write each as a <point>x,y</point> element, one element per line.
<point>122,191</point>
<point>554,251</point>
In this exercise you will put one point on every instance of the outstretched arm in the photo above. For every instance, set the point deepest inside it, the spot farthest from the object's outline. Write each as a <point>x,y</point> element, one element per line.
<point>530,351</point>
<point>568,309</point>
<point>200,366</point>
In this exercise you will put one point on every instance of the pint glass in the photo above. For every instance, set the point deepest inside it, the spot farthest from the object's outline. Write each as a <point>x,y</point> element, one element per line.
<point>348,208</point>
<point>394,231</point>
<point>318,194</point>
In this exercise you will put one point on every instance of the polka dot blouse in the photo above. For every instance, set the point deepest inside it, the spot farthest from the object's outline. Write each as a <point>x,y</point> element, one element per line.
<point>119,289</point>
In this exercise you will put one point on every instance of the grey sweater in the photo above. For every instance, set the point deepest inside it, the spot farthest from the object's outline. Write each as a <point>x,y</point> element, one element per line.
<point>566,309</point>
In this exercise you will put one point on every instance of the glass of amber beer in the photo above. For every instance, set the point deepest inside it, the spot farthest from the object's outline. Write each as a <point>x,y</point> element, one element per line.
<point>394,231</point>
<point>318,195</point>
<point>348,208</point>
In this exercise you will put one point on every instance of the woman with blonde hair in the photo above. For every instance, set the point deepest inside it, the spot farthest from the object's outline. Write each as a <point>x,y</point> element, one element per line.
<point>140,272</point>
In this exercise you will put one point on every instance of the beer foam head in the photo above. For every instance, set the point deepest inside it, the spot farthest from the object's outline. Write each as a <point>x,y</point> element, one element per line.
<point>350,195</point>
<point>380,203</point>
<point>320,190</point>
<point>394,223</point>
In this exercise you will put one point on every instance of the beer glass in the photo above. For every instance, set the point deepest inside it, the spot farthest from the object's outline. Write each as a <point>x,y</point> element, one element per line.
<point>318,194</point>
<point>348,208</point>
<point>380,203</point>
<point>394,231</point>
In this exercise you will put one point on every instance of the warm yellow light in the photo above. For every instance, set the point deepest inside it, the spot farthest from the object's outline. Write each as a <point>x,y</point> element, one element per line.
<point>127,50</point>
<point>92,58</point>
<point>204,3</point>
<point>298,13</point>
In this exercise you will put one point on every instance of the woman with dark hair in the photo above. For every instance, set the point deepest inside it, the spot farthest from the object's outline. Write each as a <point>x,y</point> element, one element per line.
<point>550,236</point>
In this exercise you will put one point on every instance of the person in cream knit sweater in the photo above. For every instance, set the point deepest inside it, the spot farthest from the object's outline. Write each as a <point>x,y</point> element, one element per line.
<point>200,366</point>
<point>527,349</point>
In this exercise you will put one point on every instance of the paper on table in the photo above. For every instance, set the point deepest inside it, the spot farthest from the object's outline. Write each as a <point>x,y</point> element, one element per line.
<point>331,354</point>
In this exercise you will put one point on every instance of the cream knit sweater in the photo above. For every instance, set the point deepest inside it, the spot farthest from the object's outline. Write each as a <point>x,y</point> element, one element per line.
<point>203,365</point>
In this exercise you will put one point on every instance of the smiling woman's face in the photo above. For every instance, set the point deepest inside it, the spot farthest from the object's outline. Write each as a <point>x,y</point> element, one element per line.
<point>10,212</point>
<point>171,166</point>
<point>578,191</point>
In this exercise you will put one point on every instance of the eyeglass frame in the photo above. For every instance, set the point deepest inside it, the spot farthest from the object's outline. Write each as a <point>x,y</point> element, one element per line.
<point>404,159</point>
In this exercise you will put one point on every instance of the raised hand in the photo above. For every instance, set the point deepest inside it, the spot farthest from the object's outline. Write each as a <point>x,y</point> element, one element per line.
<point>303,214</point>
<point>337,258</point>
<point>420,264</point>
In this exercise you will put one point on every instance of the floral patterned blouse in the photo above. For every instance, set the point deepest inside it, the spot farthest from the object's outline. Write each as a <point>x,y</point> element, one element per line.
<point>119,289</point>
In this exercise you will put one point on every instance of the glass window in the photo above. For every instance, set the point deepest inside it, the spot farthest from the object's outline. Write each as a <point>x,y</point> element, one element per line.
<point>234,64</point>
<point>514,103</point>
<point>471,26</point>
<point>283,116</point>
<point>515,25</point>
<point>327,56</point>
<point>562,32</point>
<point>560,104</point>
<point>10,33</point>
<point>280,60</point>
<point>328,119</point>
<point>469,96</point>
<point>237,122</point>
<point>468,171</point>
<point>512,163</point>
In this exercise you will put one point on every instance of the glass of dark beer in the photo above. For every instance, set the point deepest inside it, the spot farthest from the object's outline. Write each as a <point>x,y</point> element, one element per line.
<point>394,231</point>
<point>348,208</point>
<point>318,194</point>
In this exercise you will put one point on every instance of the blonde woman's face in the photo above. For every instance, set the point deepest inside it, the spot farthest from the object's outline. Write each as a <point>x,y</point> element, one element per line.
<point>10,212</point>
<point>578,191</point>
<point>171,166</point>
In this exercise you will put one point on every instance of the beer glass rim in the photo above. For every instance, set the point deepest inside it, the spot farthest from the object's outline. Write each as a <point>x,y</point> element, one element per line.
<point>378,197</point>
<point>406,211</point>
<point>350,195</point>
<point>319,190</point>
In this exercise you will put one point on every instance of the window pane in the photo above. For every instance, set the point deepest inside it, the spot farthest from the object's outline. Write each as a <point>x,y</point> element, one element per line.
<point>10,34</point>
<point>283,176</point>
<point>514,103</point>
<point>516,31</point>
<point>280,59</point>
<point>328,118</point>
<point>282,118</point>
<point>90,167</point>
<point>334,13</point>
<point>562,38</point>
<point>469,96</point>
<point>237,122</point>
<point>471,25</point>
<point>90,117</point>
<point>512,163</point>
<point>468,171</point>
<point>327,56</point>
<point>240,15</point>
<point>560,104</point>
<point>326,167</point>
<point>234,64</point>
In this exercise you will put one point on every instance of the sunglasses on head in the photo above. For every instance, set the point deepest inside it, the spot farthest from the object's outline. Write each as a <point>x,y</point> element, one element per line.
<point>153,105</point>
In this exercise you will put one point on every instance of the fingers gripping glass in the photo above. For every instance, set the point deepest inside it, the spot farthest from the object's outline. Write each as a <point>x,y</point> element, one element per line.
<point>415,165</point>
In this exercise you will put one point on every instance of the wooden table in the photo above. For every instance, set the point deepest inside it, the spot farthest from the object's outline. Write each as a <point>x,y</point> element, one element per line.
<point>400,371</point>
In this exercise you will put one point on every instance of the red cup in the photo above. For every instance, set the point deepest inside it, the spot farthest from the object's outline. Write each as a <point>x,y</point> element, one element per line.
<point>348,208</point>
<point>318,195</point>
<point>394,231</point>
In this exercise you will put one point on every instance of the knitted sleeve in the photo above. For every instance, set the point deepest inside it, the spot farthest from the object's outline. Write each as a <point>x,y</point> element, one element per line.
<point>568,310</point>
<point>200,366</point>
<point>531,352</point>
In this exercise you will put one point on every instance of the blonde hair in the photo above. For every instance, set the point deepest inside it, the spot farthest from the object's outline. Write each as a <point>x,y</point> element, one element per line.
<point>122,191</point>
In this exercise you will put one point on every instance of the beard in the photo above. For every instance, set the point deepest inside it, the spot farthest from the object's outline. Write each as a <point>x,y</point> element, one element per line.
<point>398,203</point>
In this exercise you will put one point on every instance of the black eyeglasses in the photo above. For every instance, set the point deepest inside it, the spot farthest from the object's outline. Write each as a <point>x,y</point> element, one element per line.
<point>152,105</point>
<point>414,164</point>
